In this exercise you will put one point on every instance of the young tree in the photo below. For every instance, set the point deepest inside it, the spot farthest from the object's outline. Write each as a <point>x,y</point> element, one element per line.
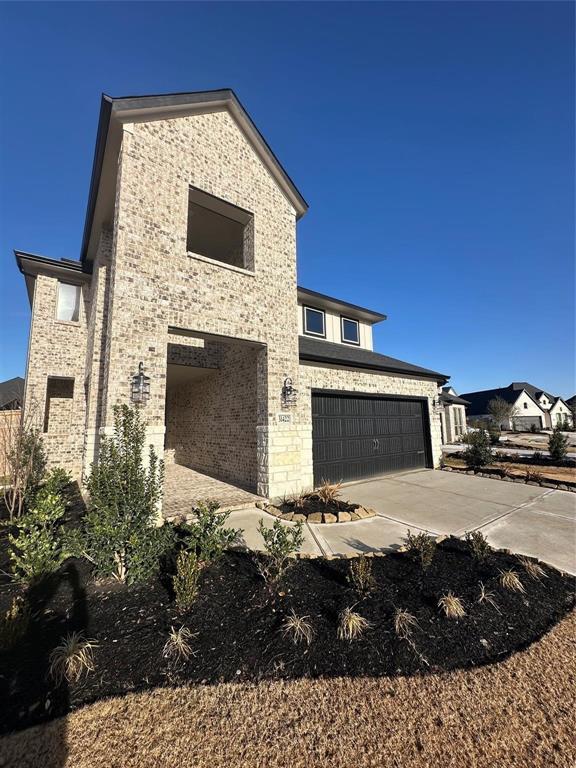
<point>478,452</point>
<point>558,444</point>
<point>501,412</point>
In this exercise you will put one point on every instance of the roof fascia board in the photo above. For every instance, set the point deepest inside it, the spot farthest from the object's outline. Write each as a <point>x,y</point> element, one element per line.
<point>306,295</point>
<point>31,265</point>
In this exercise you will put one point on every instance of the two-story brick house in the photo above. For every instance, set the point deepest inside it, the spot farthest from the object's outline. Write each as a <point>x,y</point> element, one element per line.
<point>188,266</point>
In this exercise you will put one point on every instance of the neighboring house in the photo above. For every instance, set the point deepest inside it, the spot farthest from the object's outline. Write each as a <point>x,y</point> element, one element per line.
<point>533,406</point>
<point>453,415</point>
<point>571,403</point>
<point>188,272</point>
<point>11,394</point>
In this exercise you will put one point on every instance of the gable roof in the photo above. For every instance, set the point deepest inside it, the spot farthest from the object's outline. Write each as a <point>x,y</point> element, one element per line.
<point>343,356</point>
<point>10,390</point>
<point>534,392</point>
<point>479,400</point>
<point>313,298</point>
<point>446,397</point>
<point>114,111</point>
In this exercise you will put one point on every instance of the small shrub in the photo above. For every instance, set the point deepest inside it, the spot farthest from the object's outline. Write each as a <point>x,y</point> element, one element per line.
<point>360,575</point>
<point>37,547</point>
<point>511,581</point>
<point>532,475</point>
<point>533,428</point>
<point>478,452</point>
<point>351,625</point>
<point>178,647</point>
<point>299,500</point>
<point>557,444</point>
<point>298,628</point>
<point>14,623</point>
<point>404,623</point>
<point>280,542</point>
<point>537,456</point>
<point>494,433</point>
<point>478,545</point>
<point>186,580</point>
<point>452,606</point>
<point>486,596</point>
<point>422,547</point>
<point>72,658</point>
<point>119,534</point>
<point>58,481</point>
<point>532,568</point>
<point>208,535</point>
<point>328,493</point>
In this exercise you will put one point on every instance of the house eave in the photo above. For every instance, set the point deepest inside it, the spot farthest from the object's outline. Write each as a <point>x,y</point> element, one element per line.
<point>352,365</point>
<point>307,296</point>
<point>32,264</point>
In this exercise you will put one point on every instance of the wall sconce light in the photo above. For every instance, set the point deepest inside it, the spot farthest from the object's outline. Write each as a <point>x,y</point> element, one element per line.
<point>140,389</point>
<point>289,394</point>
<point>437,405</point>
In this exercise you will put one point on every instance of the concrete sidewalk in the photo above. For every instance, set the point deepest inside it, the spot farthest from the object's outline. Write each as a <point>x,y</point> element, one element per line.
<point>526,519</point>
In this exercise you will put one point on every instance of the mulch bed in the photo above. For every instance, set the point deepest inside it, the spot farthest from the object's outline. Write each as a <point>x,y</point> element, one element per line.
<point>313,509</point>
<point>237,621</point>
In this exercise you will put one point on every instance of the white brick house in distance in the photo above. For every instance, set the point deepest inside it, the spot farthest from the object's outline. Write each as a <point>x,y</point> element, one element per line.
<point>188,266</point>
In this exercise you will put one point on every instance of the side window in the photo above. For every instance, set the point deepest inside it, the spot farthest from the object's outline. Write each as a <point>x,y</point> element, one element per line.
<point>68,303</point>
<point>314,322</point>
<point>350,331</point>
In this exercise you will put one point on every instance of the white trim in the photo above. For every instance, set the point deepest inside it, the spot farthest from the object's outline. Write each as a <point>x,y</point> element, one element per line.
<point>347,341</point>
<point>314,333</point>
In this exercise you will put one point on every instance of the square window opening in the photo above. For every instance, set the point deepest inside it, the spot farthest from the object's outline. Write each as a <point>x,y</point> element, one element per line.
<point>350,331</point>
<point>58,407</point>
<point>314,322</point>
<point>219,230</point>
<point>68,303</point>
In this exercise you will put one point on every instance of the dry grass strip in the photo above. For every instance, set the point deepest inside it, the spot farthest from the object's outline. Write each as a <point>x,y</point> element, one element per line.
<point>512,715</point>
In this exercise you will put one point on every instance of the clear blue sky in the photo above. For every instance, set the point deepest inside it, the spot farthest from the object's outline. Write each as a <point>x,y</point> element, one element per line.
<point>434,143</point>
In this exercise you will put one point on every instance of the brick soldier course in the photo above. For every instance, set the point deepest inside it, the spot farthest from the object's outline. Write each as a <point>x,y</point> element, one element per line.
<point>217,340</point>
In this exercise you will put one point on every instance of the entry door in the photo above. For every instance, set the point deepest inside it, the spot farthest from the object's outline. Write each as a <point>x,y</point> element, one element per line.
<point>356,436</point>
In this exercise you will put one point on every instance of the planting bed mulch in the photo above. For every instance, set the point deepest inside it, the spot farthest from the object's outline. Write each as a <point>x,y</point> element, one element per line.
<point>534,470</point>
<point>237,625</point>
<point>313,509</point>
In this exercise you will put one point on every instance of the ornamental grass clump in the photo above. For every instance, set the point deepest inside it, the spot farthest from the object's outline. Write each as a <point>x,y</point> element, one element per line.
<point>478,545</point>
<point>281,542</point>
<point>451,606</point>
<point>422,548</point>
<point>351,625</point>
<point>298,628</point>
<point>360,575</point>
<point>72,658</point>
<point>532,568</point>
<point>404,623</point>
<point>119,534</point>
<point>511,581</point>
<point>486,596</point>
<point>178,647</point>
<point>328,493</point>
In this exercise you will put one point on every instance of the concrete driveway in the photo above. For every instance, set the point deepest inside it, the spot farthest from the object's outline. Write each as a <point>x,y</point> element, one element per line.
<point>523,518</point>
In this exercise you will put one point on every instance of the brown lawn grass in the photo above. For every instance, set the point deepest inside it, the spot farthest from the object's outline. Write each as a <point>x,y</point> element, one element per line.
<point>517,714</point>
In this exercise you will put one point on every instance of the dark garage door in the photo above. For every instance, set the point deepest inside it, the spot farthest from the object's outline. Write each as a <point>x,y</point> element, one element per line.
<point>355,436</point>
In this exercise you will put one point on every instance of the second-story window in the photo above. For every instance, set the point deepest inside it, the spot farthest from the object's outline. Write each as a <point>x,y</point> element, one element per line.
<point>68,303</point>
<point>350,331</point>
<point>219,230</point>
<point>314,322</point>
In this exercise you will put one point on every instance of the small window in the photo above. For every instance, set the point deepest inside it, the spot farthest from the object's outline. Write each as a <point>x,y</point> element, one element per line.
<point>350,331</point>
<point>525,405</point>
<point>219,230</point>
<point>68,305</point>
<point>314,322</point>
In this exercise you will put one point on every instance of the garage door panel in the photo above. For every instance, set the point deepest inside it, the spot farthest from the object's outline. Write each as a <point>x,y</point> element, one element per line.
<point>356,437</point>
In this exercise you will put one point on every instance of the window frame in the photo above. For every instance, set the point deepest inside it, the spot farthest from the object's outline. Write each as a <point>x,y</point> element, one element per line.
<point>322,312</point>
<point>78,288</point>
<point>350,320</point>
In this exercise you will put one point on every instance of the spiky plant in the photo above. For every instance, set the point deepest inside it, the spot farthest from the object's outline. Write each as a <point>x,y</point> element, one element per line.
<point>404,623</point>
<point>178,647</point>
<point>486,596</point>
<point>511,581</point>
<point>360,575</point>
<point>298,628</point>
<point>532,568</point>
<point>351,625</point>
<point>452,606</point>
<point>328,493</point>
<point>73,657</point>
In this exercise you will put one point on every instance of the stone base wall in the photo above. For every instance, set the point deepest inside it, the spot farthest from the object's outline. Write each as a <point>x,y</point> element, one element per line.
<point>211,421</point>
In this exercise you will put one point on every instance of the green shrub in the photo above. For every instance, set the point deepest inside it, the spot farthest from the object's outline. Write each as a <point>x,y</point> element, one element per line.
<point>186,580</point>
<point>118,533</point>
<point>422,547</point>
<point>58,481</point>
<point>494,433</point>
<point>557,444</point>
<point>37,546</point>
<point>14,623</point>
<point>478,452</point>
<point>207,535</point>
<point>478,545</point>
<point>280,542</point>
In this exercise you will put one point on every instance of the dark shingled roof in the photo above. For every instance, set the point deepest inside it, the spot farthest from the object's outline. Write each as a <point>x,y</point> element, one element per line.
<point>453,399</point>
<point>479,400</point>
<point>533,391</point>
<point>341,355</point>
<point>11,390</point>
